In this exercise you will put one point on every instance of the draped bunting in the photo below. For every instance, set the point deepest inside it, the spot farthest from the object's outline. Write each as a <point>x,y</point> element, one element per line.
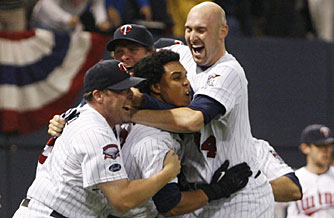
<point>41,74</point>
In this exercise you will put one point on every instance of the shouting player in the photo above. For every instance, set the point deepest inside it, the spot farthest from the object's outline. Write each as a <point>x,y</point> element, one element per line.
<point>219,113</point>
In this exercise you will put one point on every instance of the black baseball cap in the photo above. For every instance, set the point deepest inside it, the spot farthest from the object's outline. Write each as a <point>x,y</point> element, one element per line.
<point>109,74</point>
<point>317,134</point>
<point>132,32</point>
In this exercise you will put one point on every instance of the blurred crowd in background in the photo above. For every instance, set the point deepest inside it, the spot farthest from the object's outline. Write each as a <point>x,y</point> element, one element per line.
<point>246,18</point>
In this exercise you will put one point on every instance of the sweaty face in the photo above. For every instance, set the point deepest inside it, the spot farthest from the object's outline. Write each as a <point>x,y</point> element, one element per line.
<point>320,155</point>
<point>129,53</point>
<point>174,85</point>
<point>204,37</point>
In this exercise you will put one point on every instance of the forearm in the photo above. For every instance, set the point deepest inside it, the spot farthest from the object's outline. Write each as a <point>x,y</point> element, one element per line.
<point>183,120</point>
<point>125,195</point>
<point>190,201</point>
<point>285,189</point>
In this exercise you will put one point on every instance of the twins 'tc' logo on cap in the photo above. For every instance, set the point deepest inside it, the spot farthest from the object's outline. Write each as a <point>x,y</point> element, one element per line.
<point>125,29</point>
<point>122,67</point>
<point>111,151</point>
<point>324,131</point>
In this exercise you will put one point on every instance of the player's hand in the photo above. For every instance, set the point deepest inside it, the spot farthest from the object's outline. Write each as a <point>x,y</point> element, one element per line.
<point>227,181</point>
<point>172,164</point>
<point>56,125</point>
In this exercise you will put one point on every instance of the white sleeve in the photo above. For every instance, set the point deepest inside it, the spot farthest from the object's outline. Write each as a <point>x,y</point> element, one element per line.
<point>99,11</point>
<point>100,157</point>
<point>224,86</point>
<point>150,154</point>
<point>271,164</point>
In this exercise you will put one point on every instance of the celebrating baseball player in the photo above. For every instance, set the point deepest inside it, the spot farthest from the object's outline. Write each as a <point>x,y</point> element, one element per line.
<point>219,113</point>
<point>84,176</point>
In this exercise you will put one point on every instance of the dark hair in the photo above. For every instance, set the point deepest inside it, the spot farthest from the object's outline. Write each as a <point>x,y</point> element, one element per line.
<point>152,68</point>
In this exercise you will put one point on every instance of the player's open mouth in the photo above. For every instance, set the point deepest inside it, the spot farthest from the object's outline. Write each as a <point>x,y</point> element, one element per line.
<point>197,49</point>
<point>187,93</point>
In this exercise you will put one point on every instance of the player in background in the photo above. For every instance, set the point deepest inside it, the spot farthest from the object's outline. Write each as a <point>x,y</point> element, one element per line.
<point>138,43</point>
<point>219,112</point>
<point>85,175</point>
<point>317,177</point>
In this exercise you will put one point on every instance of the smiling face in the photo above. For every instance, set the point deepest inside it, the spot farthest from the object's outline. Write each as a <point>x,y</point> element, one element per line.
<point>113,105</point>
<point>174,86</point>
<point>205,33</point>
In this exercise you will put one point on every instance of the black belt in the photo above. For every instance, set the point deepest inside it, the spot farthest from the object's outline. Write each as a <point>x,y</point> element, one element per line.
<point>55,214</point>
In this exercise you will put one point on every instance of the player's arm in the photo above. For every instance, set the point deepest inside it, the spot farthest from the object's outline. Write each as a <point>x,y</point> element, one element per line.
<point>224,182</point>
<point>184,119</point>
<point>124,195</point>
<point>287,188</point>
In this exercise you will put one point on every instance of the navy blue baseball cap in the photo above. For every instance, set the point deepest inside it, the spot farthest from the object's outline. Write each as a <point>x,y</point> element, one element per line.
<point>132,32</point>
<point>317,134</point>
<point>109,74</point>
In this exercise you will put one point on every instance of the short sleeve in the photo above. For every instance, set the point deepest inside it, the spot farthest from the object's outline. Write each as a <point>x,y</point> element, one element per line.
<point>101,158</point>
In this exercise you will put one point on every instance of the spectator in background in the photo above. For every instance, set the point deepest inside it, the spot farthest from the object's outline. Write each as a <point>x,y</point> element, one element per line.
<point>322,14</point>
<point>179,11</point>
<point>238,15</point>
<point>317,177</point>
<point>63,15</point>
<point>12,15</point>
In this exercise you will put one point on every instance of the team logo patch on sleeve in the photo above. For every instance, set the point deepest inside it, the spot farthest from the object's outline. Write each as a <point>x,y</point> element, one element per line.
<point>111,151</point>
<point>211,79</point>
<point>115,167</point>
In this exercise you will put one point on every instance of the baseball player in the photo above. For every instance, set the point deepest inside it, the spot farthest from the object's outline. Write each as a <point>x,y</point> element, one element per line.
<point>84,176</point>
<point>317,177</point>
<point>219,113</point>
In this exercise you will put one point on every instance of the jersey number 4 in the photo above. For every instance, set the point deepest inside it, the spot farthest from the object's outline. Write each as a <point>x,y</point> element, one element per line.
<point>208,145</point>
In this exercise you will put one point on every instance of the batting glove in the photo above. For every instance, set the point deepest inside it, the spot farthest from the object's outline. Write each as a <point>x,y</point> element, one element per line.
<point>226,181</point>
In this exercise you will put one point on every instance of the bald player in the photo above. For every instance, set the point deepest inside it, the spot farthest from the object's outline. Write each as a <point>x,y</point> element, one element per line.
<point>218,113</point>
<point>84,176</point>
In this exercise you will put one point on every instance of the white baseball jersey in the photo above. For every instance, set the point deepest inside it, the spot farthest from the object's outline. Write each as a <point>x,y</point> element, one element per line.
<point>226,138</point>
<point>318,195</point>
<point>144,152</point>
<point>271,164</point>
<point>86,154</point>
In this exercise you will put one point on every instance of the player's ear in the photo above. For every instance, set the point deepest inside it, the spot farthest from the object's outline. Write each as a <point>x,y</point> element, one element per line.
<point>97,95</point>
<point>305,148</point>
<point>155,88</point>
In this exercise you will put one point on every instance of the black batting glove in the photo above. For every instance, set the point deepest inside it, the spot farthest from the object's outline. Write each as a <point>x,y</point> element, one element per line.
<point>225,181</point>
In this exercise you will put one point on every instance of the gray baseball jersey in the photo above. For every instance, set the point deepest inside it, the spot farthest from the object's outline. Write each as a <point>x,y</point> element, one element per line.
<point>318,195</point>
<point>86,154</point>
<point>227,137</point>
<point>144,152</point>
